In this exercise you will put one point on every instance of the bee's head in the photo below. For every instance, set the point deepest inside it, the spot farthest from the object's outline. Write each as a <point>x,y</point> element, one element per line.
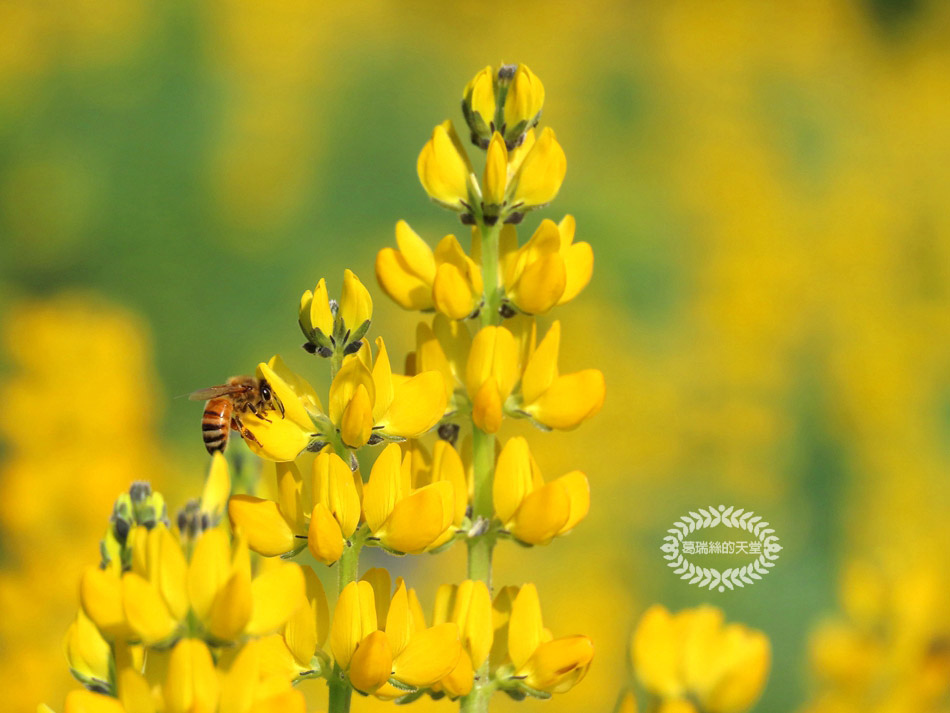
<point>266,393</point>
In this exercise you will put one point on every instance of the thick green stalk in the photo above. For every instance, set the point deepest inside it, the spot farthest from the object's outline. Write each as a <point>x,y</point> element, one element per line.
<point>339,686</point>
<point>490,274</point>
<point>480,546</point>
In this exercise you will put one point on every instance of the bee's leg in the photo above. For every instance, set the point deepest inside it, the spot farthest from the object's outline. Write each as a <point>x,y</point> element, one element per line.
<point>259,414</point>
<point>245,432</point>
<point>279,404</point>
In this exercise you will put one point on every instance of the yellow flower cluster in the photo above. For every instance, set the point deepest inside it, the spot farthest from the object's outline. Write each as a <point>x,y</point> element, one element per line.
<point>888,651</point>
<point>175,619</point>
<point>692,661</point>
<point>477,362</point>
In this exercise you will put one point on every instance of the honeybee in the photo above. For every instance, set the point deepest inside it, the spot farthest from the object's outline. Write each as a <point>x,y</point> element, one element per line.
<point>226,403</point>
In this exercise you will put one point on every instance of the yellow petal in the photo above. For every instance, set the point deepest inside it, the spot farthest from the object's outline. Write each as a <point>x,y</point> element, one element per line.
<point>343,497</point>
<point>487,407</point>
<point>655,653</point>
<point>145,610</point>
<point>416,252</point>
<point>447,465</point>
<point>290,496</point>
<point>87,652</point>
<point>473,614</point>
<point>231,609</point>
<point>372,663</point>
<point>353,618</point>
<point>494,353</point>
<point>356,426</point>
<point>275,594</point>
<point>430,656</point>
<point>495,178</point>
<point>321,317</point>
<point>324,538</point>
<point>443,168</point>
<point>399,628</point>
<point>172,573</point>
<point>191,684</point>
<point>557,666</point>
<point>381,582</point>
<point>418,520</point>
<point>541,285</point>
<point>578,491</point>
<point>480,94</point>
<point>460,680</point>
<point>386,486</point>
<point>745,658</point>
<point>579,266</point>
<point>308,627</point>
<point>570,400</point>
<point>541,369</point>
<point>541,173</point>
<point>382,380</point>
<point>292,390</point>
<point>353,374</point>
<point>398,280</point>
<point>101,594</point>
<point>83,701</point>
<point>356,305</point>
<point>543,514</point>
<point>217,488</point>
<point>263,525</point>
<point>525,629</point>
<point>300,386</point>
<point>452,293</point>
<point>135,692</point>
<point>286,701</point>
<point>276,439</point>
<point>418,405</point>
<point>525,97</point>
<point>512,478</point>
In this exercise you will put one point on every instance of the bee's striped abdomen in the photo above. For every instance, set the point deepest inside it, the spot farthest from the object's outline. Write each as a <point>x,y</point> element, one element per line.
<point>215,424</point>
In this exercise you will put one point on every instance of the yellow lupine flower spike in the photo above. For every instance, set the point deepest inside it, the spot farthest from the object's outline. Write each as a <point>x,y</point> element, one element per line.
<point>404,519</point>
<point>540,662</point>
<point>335,327</point>
<point>445,171</point>
<point>694,654</point>
<point>532,511</point>
<point>164,595</point>
<point>553,400</point>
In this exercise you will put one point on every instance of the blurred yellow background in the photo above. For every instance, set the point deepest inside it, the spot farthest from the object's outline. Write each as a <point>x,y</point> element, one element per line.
<point>765,185</point>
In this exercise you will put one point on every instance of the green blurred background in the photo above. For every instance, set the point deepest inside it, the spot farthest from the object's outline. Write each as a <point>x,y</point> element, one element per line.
<point>764,184</point>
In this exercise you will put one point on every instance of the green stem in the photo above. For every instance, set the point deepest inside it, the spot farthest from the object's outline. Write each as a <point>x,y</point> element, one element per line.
<point>339,685</point>
<point>491,274</point>
<point>336,361</point>
<point>480,546</point>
